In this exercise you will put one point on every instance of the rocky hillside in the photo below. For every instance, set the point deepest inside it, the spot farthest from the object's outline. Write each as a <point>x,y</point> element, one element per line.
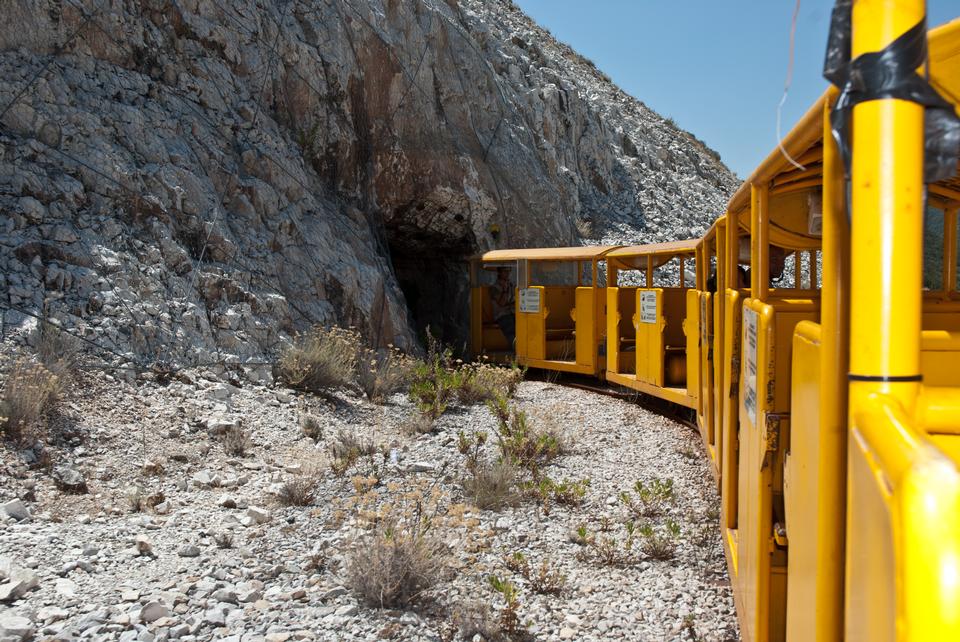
<point>191,180</point>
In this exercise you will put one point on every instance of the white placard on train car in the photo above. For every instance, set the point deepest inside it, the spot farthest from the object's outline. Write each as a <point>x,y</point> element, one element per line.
<point>530,300</point>
<point>750,364</point>
<point>648,307</point>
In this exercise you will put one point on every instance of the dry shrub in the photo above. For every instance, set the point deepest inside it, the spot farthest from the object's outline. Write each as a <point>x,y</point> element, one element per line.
<point>382,373</point>
<point>57,350</point>
<point>347,448</point>
<point>321,359</point>
<point>491,486</point>
<point>311,427</point>
<point>301,490</point>
<point>29,392</point>
<point>223,539</point>
<point>395,565</point>
<point>481,382</point>
<point>476,618</point>
<point>236,441</point>
<point>418,424</point>
<point>523,442</point>
<point>543,579</point>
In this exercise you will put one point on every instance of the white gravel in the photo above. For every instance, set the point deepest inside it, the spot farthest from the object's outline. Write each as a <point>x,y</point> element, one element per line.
<point>104,572</point>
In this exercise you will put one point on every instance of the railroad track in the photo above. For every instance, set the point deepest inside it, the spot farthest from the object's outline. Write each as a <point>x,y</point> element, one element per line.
<point>677,413</point>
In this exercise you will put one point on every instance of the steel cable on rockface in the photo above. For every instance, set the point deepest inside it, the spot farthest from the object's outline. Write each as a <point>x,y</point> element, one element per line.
<point>222,195</point>
<point>59,50</point>
<point>105,275</point>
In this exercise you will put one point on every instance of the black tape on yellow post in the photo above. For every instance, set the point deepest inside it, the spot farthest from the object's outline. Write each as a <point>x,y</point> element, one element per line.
<point>890,73</point>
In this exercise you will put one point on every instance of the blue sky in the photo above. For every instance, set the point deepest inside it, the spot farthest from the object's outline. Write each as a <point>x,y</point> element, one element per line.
<point>717,67</point>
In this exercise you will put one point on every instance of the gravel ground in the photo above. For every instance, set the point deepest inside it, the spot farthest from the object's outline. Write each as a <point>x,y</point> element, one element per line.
<point>103,571</point>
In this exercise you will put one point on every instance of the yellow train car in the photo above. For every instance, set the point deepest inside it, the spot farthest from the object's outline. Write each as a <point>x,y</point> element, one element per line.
<point>653,329</point>
<point>816,338</point>
<point>556,314</point>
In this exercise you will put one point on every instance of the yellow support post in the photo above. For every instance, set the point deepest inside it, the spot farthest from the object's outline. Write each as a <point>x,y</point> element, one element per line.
<point>649,270</point>
<point>887,233</point>
<point>891,584</point>
<point>759,241</point>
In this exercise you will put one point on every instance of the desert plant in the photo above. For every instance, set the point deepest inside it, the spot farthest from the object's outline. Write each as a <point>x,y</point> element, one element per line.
<point>419,424</point>
<point>319,360</point>
<point>223,539</point>
<point>491,485</point>
<point>395,565</point>
<point>659,544</point>
<point>57,350</point>
<point>236,441</point>
<point>382,373</point>
<point>521,442</point>
<point>510,624</point>
<point>29,392</point>
<point>482,382</point>
<point>651,499</point>
<point>543,579</point>
<point>311,427</point>
<point>300,490</point>
<point>608,550</point>
<point>567,492</point>
<point>347,448</point>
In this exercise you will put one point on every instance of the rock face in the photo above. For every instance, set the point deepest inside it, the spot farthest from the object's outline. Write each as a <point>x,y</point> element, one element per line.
<point>195,179</point>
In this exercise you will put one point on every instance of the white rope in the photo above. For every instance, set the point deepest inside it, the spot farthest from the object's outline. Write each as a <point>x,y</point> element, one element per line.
<point>786,88</point>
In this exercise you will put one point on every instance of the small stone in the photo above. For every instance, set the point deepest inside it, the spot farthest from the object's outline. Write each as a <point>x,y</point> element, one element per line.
<point>20,582</point>
<point>189,551</point>
<point>202,479</point>
<point>50,614</point>
<point>225,595</point>
<point>214,617</point>
<point>227,501</point>
<point>66,588</point>
<point>15,627</point>
<point>347,610</point>
<point>258,515</point>
<point>130,595</point>
<point>153,611</point>
<point>566,633</point>
<point>421,467</point>
<point>143,545</point>
<point>16,509</point>
<point>69,480</point>
<point>333,593</point>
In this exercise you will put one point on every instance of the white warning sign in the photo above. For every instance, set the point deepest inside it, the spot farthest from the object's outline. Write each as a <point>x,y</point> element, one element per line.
<point>648,307</point>
<point>750,364</point>
<point>530,300</point>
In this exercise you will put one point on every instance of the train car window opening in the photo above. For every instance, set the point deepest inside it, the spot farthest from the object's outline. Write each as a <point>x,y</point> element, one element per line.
<point>933,249</point>
<point>554,273</point>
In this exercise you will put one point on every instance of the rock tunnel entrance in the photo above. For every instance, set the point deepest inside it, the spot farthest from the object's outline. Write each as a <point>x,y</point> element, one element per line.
<point>433,273</point>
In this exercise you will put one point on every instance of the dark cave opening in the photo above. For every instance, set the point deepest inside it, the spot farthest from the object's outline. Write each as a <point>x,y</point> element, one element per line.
<point>434,276</point>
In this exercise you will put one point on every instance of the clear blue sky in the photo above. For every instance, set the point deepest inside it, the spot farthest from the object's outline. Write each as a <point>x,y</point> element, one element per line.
<point>716,67</point>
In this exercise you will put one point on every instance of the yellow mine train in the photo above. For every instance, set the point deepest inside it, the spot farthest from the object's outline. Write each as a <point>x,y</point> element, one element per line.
<point>814,331</point>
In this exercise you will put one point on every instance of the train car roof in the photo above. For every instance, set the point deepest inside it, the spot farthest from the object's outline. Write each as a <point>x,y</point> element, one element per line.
<point>804,143</point>
<point>577,253</point>
<point>673,247</point>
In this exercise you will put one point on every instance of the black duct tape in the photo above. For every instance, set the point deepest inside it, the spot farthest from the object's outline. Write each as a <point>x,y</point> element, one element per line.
<point>890,73</point>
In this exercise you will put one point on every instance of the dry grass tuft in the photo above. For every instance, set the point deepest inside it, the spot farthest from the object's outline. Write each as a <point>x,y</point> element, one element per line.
<point>311,427</point>
<point>321,359</point>
<point>299,491</point>
<point>491,486</point>
<point>383,373</point>
<point>57,350</point>
<point>236,441</point>
<point>482,382</point>
<point>395,565</point>
<point>29,392</point>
